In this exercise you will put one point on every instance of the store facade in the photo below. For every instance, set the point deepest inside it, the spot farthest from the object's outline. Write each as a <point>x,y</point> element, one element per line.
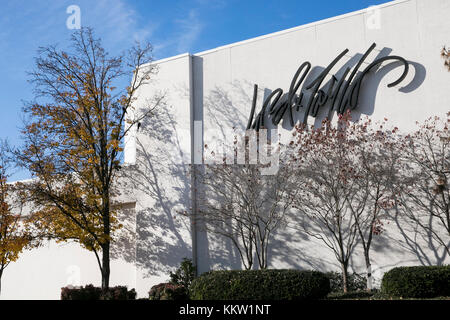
<point>382,62</point>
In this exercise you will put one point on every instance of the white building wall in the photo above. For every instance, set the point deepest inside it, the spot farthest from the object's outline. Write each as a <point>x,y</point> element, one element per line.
<point>413,29</point>
<point>159,180</point>
<point>216,87</point>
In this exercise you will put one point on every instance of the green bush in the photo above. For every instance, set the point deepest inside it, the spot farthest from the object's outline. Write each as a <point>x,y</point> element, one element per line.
<point>417,282</point>
<point>89,292</point>
<point>118,293</point>
<point>260,285</point>
<point>355,281</point>
<point>184,275</point>
<point>168,291</point>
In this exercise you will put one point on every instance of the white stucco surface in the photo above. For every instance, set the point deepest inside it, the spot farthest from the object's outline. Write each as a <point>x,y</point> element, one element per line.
<point>216,88</point>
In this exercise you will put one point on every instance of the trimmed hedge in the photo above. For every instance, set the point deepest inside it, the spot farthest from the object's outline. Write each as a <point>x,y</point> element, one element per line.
<point>356,282</point>
<point>417,282</point>
<point>90,292</point>
<point>168,291</point>
<point>260,285</point>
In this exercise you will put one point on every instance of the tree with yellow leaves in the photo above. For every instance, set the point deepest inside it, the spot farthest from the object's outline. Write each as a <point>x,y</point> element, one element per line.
<point>14,234</point>
<point>73,140</point>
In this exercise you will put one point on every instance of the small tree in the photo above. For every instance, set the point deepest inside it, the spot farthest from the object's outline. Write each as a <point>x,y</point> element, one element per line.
<point>185,274</point>
<point>240,202</point>
<point>377,161</point>
<point>345,173</point>
<point>14,234</point>
<point>73,140</point>
<point>424,196</point>
<point>324,176</point>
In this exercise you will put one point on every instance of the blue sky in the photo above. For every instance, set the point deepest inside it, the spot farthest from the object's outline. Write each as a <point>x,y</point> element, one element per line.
<point>173,27</point>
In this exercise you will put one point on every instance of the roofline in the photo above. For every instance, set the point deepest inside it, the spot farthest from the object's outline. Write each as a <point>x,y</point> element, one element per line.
<point>277,33</point>
<point>304,26</point>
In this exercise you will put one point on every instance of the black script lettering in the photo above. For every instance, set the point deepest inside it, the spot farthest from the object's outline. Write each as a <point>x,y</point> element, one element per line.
<point>340,97</point>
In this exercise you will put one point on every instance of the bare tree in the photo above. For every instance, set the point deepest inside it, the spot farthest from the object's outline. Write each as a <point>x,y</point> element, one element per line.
<point>325,179</point>
<point>241,203</point>
<point>377,161</point>
<point>425,195</point>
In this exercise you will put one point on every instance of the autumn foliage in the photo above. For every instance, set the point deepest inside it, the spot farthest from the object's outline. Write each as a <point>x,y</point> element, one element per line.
<point>15,235</point>
<point>73,139</point>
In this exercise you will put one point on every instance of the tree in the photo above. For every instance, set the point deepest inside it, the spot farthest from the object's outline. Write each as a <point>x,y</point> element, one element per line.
<point>73,139</point>
<point>377,161</point>
<point>424,196</point>
<point>324,177</point>
<point>14,233</point>
<point>243,204</point>
<point>346,173</point>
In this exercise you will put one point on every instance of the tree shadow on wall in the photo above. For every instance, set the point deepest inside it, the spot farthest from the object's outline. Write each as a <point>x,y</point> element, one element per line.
<point>160,178</point>
<point>123,244</point>
<point>419,241</point>
<point>226,107</point>
<point>160,183</point>
<point>304,255</point>
<point>403,244</point>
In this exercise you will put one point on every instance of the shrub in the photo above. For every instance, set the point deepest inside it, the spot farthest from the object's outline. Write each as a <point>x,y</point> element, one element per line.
<point>118,293</point>
<point>356,282</point>
<point>260,285</point>
<point>89,292</point>
<point>167,291</point>
<point>178,287</point>
<point>355,295</point>
<point>184,274</point>
<point>417,282</point>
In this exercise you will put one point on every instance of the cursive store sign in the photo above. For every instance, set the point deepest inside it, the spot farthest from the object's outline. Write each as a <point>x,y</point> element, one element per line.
<point>338,96</point>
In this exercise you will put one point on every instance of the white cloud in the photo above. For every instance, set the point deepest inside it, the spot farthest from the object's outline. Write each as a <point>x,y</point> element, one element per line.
<point>188,29</point>
<point>117,22</point>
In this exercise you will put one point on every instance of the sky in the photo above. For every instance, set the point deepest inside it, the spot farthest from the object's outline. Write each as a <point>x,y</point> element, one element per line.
<point>172,27</point>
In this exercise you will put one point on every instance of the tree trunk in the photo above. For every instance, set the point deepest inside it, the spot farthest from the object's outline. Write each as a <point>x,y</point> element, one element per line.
<point>105,266</point>
<point>368,271</point>
<point>106,246</point>
<point>1,273</point>
<point>344,266</point>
